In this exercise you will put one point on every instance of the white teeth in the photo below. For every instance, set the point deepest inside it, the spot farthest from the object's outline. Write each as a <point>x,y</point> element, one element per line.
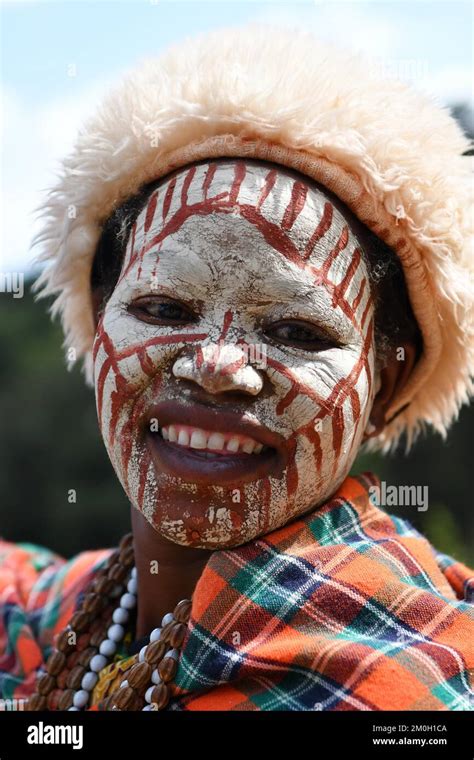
<point>183,438</point>
<point>216,441</point>
<point>198,440</point>
<point>203,439</point>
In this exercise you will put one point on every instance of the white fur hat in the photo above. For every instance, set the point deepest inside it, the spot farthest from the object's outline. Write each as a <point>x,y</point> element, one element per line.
<point>261,91</point>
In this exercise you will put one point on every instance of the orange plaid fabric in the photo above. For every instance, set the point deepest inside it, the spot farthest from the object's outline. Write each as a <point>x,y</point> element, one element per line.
<point>347,608</point>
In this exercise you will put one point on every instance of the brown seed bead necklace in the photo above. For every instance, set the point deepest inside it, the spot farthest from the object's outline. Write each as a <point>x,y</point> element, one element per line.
<point>92,636</point>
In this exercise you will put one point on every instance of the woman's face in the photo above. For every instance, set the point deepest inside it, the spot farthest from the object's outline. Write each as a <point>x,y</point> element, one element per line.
<point>234,361</point>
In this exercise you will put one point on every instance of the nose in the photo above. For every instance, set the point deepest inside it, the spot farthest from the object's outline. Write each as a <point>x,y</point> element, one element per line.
<point>218,368</point>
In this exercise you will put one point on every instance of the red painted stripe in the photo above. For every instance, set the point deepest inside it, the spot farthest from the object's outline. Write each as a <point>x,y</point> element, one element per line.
<point>340,245</point>
<point>228,317</point>
<point>199,357</point>
<point>270,180</point>
<point>168,198</point>
<point>340,289</point>
<point>295,206</point>
<point>240,171</point>
<point>150,212</point>
<point>355,405</point>
<point>366,311</point>
<point>337,430</point>
<point>208,179</point>
<point>323,226</point>
<point>318,452</point>
<point>187,181</point>
<point>295,388</point>
<point>146,363</point>
<point>358,299</point>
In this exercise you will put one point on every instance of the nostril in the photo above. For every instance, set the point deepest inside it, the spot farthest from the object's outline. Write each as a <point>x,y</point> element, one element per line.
<point>219,374</point>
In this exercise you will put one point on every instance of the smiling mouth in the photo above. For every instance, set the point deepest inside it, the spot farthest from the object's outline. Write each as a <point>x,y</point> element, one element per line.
<point>212,455</point>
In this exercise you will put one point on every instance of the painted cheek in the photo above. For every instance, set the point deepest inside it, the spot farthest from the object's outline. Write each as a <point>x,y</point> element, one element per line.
<point>131,364</point>
<point>327,408</point>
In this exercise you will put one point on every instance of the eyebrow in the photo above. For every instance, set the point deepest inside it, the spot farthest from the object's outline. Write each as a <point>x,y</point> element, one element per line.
<point>195,274</point>
<point>286,291</point>
<point>280,289</point>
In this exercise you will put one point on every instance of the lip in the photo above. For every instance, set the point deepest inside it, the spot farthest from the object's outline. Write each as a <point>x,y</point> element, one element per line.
<point>191,466</point>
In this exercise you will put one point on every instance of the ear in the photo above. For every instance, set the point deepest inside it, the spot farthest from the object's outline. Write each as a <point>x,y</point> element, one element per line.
<point>393,377</point>
<point>97,298</point>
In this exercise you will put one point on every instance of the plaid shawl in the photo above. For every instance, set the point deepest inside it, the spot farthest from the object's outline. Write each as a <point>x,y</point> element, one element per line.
<point>347,608</point>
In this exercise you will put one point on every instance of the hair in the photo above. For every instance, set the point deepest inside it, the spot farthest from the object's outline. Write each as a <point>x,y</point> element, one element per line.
<point>395,321</point>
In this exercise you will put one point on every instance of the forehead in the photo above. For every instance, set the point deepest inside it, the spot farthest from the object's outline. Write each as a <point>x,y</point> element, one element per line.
<point>238,212</point>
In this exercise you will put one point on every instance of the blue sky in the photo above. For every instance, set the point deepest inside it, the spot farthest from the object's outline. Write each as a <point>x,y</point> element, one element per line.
<point>58,58</point>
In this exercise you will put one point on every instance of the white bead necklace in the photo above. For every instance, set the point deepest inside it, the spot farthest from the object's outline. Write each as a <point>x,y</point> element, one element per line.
<point>115,634</point>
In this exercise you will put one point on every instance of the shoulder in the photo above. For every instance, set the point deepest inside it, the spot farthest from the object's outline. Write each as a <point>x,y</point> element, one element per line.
<point>20,566</point>
<point>32,576</point>
<point>39,590</point>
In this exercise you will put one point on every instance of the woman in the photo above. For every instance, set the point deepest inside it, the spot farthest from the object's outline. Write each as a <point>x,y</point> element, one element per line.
<point>264,270</point>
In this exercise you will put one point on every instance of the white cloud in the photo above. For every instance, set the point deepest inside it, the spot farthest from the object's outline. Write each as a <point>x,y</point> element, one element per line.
<point>381,38</point>
<point>451,84</point>
<point>34,139</point>
<point>346,24</point>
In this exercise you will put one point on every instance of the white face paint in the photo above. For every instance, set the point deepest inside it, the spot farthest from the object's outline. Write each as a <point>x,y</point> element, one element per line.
<point>243,290</point>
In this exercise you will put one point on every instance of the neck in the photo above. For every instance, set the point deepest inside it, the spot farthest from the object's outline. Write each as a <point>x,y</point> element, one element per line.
<point>166,573</point>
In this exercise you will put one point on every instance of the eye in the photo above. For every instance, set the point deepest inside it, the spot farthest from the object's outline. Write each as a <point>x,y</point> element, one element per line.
<point>161,311</point>
<point>301,335</point>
